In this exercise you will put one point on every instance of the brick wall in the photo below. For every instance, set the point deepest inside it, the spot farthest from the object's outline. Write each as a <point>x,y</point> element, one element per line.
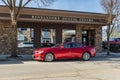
<point>5,43</point>
<point>6,40</point>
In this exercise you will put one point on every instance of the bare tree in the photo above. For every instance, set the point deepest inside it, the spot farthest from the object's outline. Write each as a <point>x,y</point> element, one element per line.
<point>15,7</point>
<point>112,8</point>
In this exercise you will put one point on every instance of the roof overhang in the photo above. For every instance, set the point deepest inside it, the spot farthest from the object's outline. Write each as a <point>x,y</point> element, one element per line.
<point>59,16</point>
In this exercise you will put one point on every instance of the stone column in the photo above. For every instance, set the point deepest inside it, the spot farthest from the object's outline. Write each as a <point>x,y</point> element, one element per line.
<point>98,38</point>
<point>59,35</point>
<point>37,36</point>
<point>5,38</point>
<point>78,33</point>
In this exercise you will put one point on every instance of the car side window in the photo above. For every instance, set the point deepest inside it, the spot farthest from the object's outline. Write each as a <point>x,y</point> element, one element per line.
<point>78,45</point>
<point>67,46</point>
<point>73,45</point>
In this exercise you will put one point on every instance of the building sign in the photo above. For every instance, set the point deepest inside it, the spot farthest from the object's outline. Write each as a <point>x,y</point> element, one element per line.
<point>67,18</point>
<point>58,18</point>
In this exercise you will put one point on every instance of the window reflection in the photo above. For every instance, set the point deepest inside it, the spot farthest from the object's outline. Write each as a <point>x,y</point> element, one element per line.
<point>68,35</point>
<point>25,37</point>
<point>48,37</point>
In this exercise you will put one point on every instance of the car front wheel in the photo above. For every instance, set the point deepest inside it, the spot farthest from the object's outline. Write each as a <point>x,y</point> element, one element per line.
<point>86,56</point>
<point>49,57</point>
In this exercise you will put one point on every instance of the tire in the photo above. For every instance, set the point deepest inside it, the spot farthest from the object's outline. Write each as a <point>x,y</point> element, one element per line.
<point>49,57</point>
<point>86,56</point>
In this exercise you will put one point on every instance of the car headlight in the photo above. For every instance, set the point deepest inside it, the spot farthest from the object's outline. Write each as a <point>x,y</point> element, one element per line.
<point>40,52</point>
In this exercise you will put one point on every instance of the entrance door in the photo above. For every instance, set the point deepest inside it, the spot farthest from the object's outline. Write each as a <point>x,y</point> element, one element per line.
<point>88,37</point>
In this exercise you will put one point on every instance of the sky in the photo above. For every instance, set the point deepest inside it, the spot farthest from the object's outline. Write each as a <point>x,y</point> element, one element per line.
<point>78,5</point>
<point>74,5</point>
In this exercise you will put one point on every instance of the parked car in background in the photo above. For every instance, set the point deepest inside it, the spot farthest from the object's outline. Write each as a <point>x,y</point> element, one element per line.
<point>114,44</point>
<point>67,50</point>
<point>31,44</point>
<point>114,41</point>
<point>26,44</point>
<point>47,44</point>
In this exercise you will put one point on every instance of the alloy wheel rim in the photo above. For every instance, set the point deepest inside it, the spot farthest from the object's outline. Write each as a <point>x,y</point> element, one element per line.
<point>49,57</point>
<point>86,56</point>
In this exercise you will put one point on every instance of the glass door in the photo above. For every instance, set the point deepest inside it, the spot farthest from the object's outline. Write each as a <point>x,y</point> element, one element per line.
<point>88,37</point>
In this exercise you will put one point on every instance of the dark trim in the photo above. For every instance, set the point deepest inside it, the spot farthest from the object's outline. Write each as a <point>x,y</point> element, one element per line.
<point>46,25</point>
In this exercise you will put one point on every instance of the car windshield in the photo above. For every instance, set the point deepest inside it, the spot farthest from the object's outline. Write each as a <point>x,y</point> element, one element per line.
<point>56,45</point>
<point>113,39</point>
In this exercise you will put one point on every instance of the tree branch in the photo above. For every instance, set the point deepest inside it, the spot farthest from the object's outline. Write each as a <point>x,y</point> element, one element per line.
<point>6,3</point>
<point>10,4</point>
<point>26,3</point>
<point>18,9</point>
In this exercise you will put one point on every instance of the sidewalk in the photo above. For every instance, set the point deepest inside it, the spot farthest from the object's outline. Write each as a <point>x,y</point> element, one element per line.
<point>21,57</point>
<point>104,55</point>
<point>29,57</point>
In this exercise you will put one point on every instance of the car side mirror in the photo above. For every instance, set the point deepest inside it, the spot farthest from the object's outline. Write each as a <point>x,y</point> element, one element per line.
<point>84,45</point>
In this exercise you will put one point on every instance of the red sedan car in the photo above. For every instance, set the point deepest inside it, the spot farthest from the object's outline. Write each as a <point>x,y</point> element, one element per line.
<point>67,50</point>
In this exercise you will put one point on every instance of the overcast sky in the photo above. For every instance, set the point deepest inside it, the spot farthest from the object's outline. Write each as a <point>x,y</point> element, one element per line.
<point>78,5</point>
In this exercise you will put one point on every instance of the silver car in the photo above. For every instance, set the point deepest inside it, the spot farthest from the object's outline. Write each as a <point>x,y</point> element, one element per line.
<point>26,44</point>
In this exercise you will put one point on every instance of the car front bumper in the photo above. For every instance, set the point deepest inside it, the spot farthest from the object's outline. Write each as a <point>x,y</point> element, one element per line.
<point>36,56</point>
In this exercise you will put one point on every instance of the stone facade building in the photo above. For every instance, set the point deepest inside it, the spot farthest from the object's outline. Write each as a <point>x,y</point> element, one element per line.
<point>88,26</point>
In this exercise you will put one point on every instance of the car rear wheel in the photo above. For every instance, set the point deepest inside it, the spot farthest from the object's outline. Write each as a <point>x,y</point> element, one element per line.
<point>49,57</point>
<point>86,56</point>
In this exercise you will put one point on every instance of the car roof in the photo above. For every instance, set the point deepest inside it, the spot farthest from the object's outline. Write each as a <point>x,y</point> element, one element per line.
<point>70,42</point>
<point>27,42</point>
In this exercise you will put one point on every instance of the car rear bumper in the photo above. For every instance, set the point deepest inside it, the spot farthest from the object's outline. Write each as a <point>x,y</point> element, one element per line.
<point>93,54</point>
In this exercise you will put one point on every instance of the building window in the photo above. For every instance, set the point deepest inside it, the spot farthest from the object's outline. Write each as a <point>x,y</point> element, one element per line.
<point>48,37</point>
<point>68,35</point>
<point>25,37</point>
